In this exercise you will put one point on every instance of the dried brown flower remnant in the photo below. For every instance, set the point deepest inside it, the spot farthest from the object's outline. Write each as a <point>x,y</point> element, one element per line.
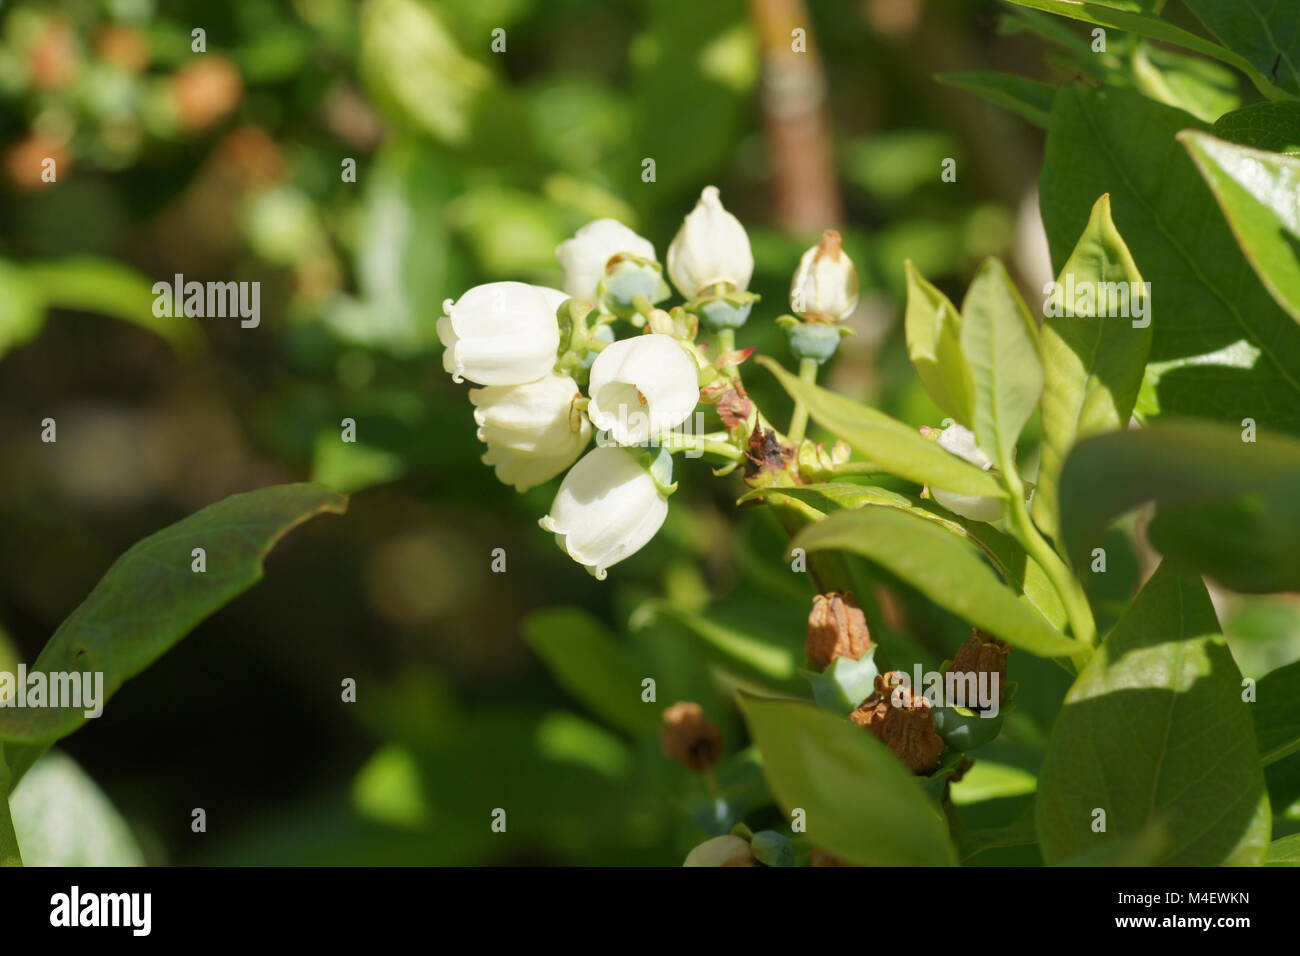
<point>765,455</point>
<point>907,730</point>
<point>836,628</point>
<point>982,653</point>
<point>690,738</point>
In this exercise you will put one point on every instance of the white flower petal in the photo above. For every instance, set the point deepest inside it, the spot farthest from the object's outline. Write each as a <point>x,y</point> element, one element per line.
<point>641,387</point>
<point>608,507</point>
<point>960,441</point>
<point>529,429</point>
<point>584,257</point>
<point>501,333</point>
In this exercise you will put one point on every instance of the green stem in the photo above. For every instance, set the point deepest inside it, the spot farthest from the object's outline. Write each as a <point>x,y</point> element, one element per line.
<point>715,444</point>
<point>799,420</point>
<point>727,343</point>
<point>1071,593</point>
<point>9,852</point>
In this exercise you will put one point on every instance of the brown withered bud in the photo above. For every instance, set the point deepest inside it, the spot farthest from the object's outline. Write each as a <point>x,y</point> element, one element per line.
<point>836,628</point>
<point>982,653</point>
<point>690,738</point>
<point>907,730</point>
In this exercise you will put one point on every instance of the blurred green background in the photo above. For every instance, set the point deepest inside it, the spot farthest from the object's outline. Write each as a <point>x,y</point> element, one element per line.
<point>471,165</point>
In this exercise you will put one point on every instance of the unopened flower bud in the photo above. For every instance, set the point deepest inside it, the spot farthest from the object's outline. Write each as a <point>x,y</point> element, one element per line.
<point>982,653</point>
<point>836,628</point>
<point>690,738</point>
<point>906,728</point>
<point>711,249</point>
<point>585,257</point>
<point>825,286</point>
<point>726,850</point>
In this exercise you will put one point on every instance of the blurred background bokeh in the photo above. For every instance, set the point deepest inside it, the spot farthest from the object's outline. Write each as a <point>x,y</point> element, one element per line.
<point>470,165</point>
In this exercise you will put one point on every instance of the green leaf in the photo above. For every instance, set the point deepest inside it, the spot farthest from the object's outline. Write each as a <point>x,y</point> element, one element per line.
<point>1029,99</point>
<point>1259,193</point>
<point>64,819</point>
<point>1222,348</point>
<point>757,654</point>
<point>1154,732</point>
<point>10,855</point>
<point>948,571</point>
<point>1106,15</point>
<point>1284,852</point>
<point>1000,341</point>
<point>1271,126</point>
<point>150,599</point>
<point>897,448</point>
<point>105,287</point>
<point>1266,32</point>
<point>1093,358</point>
<point>1277,713</point>
<point>861,803</point>
<point>1226,508</point>
<point>1201,87</point>
<point>585,659</point>
<point>933,327</point>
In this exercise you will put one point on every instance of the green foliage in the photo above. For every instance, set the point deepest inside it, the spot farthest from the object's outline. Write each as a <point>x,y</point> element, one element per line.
<point>1158,703</point>
<point>823,765</point>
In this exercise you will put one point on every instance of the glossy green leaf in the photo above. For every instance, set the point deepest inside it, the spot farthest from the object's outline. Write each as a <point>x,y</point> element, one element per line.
<point>106,287</point>
<point>1225,507</point>
<point>1028,99</point>
<point>1093,355</point>
<point>1000,341</point>
<point>1284,852</point>
<point>933,327</point>
<point>585,659</point>
<point>1259,193</point>
<point>860,802</point>
<point>897,448</point>
<point>1107,15</point>
<point>1271,126</point>
<point>1154,732</point>
<point>948,571</point>
<point>1277,713</point>
<point>1222,348</point>
<point>150,599</point>
<point>754,652</point>
<point>1192,83</point>
<point>1265,32</point>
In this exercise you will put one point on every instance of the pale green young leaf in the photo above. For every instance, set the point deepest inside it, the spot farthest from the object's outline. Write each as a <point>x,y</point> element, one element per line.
<point>1093,354</point>
<point>1000,342</point>
<point>897,448</point>
<point>947,570</point>
<point>933,327</point>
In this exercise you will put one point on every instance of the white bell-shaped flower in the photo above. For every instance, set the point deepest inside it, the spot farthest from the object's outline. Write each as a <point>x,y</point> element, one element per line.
<point>641,387</point>
<point>608,506</point>
<point>960,441</point>
<point>825,285</point>
<point>533,431</point>
<point>584,257</point>
<point>711,247</point>
<point>501,333</point>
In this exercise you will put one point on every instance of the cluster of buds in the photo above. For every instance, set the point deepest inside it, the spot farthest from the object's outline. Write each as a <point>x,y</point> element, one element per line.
<point>902,721</point>
<point>823,293</point>
<point>553,373</point>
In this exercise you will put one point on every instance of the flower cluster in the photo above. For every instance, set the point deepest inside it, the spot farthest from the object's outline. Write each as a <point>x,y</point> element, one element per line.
<point>552,373</point>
